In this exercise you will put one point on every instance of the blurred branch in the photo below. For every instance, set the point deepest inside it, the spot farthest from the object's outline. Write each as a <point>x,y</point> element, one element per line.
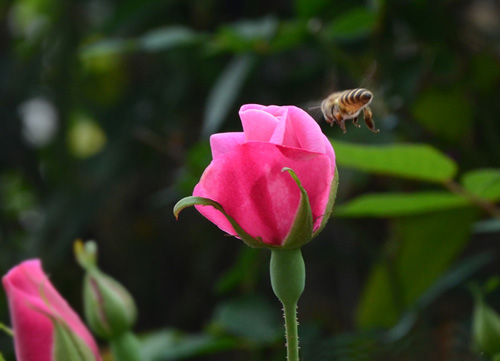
<point>487,206</point>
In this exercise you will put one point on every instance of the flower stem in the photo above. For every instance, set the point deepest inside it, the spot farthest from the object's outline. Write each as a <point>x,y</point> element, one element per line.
<point>126,347</point>
<point>291,333</point>
<point>288,280</point>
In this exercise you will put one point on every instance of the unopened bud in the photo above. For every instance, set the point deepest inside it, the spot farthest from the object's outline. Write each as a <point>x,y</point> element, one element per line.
<point>109,308</point>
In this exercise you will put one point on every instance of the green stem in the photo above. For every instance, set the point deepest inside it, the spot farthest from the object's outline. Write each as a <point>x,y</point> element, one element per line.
<point>288,280</point>
<point>291,333</point>
<point>126,347</point>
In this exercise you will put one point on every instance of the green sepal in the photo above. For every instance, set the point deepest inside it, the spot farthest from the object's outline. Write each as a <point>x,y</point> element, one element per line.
<point>109,308</point>
<point>68,346</point>
<point>330,204</point>
<point>254,242</point>
<point>302,227</point>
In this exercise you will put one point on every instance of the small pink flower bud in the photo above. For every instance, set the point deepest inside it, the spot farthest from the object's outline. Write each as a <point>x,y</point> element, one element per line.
<point>45,327</point>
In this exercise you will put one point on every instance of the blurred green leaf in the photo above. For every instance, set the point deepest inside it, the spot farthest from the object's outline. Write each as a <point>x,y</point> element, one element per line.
<point>241,273</point>
<point>399,204</point>
<point>171,344</point>
<point>487,226</point>
<point>454,277</point>
<point>353,24</point>
<point>414,161</point>
<point>491,284</point>
<point>167,38</point>
<point>422,249</point>
<point>247,35</point>
<point>446,113</point>
<point>224,93</point>
<point>484,183</point>
<point>251,317</point>
<point>289,35</point>
<point>16,194</point>
<point>107,47</point>
<point>310,8</point>
<point>486,72</point>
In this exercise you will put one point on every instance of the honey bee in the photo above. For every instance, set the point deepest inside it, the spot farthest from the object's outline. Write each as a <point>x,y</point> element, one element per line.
<point>347,104</point>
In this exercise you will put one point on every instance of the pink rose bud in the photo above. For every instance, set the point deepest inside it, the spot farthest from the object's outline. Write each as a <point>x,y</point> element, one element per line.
<point>247,180</point>
<point>45,327</point>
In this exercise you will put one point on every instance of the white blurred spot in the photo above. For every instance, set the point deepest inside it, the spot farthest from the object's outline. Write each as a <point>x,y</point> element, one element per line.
<point>39,121</point>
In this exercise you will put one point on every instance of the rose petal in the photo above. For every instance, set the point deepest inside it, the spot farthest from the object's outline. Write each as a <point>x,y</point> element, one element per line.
<point>224,142</point>
<point>303,131</point>
<point>250,186</point>
<point>329,150</point>
<point>258,125</point>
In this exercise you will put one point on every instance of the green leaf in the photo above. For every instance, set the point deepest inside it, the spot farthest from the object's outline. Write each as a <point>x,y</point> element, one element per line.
<point>290,34</point>
<point>224,93</point>
<point>247,35</point>
<point>167,38</point>
<point>422,249</point>
<point>251,317</point>
<point>354,24</point>
<point>484,183</point>
<point>302,227</point>
<point>192,201</point>
<point>310,8</point>
<point>241,274</point>
<point>399,204</point>
<point>486,328</point>
<point>487,226</point>
<point>446,113</point>
<point>107,47</point>
<point>171,344</point>
<point>454,277</point>
<point>414,161</point>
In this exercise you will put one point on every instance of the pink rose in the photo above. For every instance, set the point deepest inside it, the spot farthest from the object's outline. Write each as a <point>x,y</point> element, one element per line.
<point>245,176</point>
<point>34,305</point>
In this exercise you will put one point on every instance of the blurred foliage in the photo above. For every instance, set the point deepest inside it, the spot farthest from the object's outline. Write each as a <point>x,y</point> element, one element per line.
<point>106,107</point>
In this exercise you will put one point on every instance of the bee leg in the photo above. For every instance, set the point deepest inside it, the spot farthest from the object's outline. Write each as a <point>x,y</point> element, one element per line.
<point>368,115</point>
<point>341,123</point>
<point>355,122</point>
<point>339,119</point>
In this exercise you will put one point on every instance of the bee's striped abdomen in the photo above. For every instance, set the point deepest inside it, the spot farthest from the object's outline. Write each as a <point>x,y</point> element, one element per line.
<point>356,96</point>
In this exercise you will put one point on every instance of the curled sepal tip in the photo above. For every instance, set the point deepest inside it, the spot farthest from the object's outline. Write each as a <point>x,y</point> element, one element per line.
<point>85,254</point>
<point>254,242</point>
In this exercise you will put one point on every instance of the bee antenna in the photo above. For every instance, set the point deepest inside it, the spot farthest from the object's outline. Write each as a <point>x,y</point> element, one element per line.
<point>316,107</point>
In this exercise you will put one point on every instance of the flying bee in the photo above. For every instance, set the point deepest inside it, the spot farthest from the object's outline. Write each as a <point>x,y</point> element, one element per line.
<point>341,106</point>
